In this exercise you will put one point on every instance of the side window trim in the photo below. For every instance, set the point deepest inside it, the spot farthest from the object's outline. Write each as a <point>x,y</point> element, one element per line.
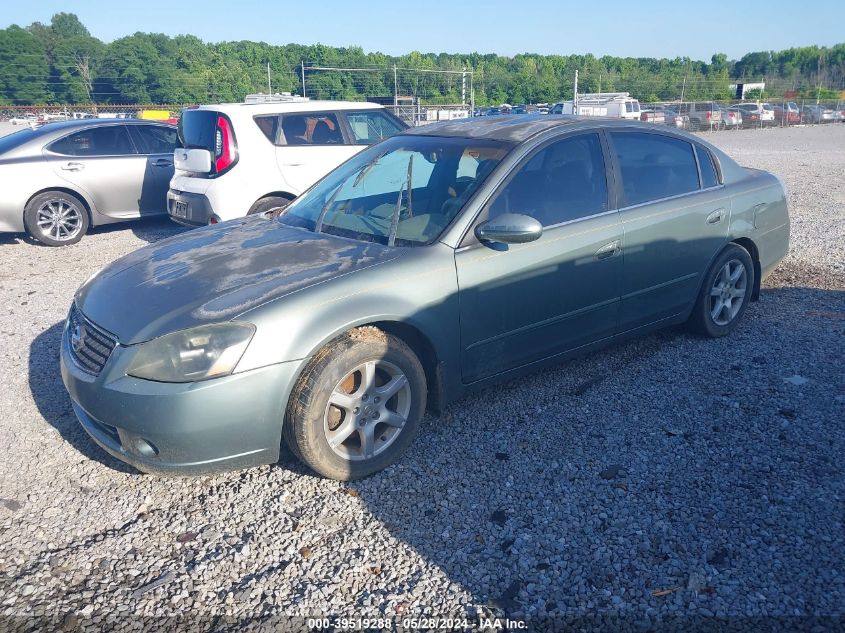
<point>123,126</point>
<point>717,168</point>
<point>469,240</point>
<point>277,137</point>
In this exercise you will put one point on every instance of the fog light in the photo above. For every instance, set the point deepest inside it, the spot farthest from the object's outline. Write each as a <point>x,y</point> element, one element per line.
<point>142,447</point>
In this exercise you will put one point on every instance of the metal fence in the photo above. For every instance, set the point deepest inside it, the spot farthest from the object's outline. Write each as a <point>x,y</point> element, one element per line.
<point>415,112</point>
<point>412,112</point>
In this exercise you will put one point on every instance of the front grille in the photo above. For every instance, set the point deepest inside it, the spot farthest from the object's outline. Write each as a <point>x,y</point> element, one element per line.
<point>90,346</point>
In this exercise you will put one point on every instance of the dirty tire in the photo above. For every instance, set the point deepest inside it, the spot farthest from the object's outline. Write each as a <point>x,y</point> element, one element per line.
<point>36,215</point>
<point>702,321</point>
<point>308,416</point>
<point>268,204</point>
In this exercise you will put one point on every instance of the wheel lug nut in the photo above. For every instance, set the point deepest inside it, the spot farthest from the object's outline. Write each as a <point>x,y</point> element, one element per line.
<point>356,410</point>
<point>376,399</point>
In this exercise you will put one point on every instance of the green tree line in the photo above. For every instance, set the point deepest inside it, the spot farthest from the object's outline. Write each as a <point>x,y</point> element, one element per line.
<point>62,63</point>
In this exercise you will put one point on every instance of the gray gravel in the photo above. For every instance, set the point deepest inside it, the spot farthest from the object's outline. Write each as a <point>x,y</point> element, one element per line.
<point>667,476</point>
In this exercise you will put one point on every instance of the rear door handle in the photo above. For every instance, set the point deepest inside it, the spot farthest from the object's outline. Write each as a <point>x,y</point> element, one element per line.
<point>608,250</point>
<point>716,216</point>
<point>73,166</point>
<point>163,162</point>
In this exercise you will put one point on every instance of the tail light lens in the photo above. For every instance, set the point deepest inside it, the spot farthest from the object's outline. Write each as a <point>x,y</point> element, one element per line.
<point>707,115</point>
<point>225,148</point>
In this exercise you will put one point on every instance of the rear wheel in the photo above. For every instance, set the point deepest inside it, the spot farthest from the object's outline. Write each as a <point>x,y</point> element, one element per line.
<point>725,293</point>
<point>357,406</point>
<point>56,218</point>
<point>270,203</point>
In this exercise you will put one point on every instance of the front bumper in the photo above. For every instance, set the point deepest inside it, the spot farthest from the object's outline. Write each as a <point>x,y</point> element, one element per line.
<point>189,209</point>
<point>186,428</point>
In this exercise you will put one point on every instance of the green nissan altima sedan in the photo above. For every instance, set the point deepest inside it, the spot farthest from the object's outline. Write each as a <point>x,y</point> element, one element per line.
<point>443,259</point>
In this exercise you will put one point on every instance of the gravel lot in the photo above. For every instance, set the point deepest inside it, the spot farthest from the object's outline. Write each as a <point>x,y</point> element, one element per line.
<point>670,476</point>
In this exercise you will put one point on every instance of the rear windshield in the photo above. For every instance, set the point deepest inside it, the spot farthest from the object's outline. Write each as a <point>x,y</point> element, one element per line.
<point>197,129</point>
<point>16,139</point>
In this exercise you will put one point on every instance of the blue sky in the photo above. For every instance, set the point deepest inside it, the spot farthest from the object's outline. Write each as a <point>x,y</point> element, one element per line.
<point>636,28</point>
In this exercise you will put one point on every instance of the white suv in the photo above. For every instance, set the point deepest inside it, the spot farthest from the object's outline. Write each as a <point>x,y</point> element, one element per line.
<point>237,159</point>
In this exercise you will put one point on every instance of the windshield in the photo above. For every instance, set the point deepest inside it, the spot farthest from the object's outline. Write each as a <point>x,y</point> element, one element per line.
<point>402,192</point>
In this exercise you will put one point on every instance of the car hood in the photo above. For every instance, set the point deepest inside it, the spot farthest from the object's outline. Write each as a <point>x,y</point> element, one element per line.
<point>214,274</point>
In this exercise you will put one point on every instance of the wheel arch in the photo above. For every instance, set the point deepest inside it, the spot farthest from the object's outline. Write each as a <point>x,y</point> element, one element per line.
<point>89,208</point>
<point>425,351</point>
<point>411,335</point>
<point>749,245</point>
<point>275,194</point>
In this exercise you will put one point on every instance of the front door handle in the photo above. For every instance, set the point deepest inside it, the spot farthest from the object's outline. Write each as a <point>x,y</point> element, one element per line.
<point>608,250</point>
<point>73,166</point>
<point>163,162</point>
<point>716,216</point>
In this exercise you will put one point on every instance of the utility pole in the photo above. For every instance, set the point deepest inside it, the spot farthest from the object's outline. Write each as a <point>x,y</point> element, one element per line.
<point>683,88</point>
<point>464,87</point>
<point>599,85</point>
<point>575,94</point>
<point>395,89</point>
<point>269,85</point>
<point>302,66</point>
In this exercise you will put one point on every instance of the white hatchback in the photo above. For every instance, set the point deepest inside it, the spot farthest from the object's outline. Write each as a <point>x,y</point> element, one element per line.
<point>237,159</point>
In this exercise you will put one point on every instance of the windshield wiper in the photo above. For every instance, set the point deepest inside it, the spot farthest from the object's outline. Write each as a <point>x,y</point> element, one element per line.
<point>318,224</point>
<point>394,221</point>
<point>366,168</point>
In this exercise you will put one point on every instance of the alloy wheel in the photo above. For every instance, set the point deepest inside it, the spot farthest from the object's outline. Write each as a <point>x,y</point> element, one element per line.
<point>728,292</point>
<point>367,410</point>
<point>59,220</point>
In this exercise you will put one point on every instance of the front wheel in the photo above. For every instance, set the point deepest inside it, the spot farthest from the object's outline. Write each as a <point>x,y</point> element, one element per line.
<point>725,293</point>
<point>357,406</point>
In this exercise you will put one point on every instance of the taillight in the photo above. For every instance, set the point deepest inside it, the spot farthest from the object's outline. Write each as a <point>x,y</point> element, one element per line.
<point>707,115</point>
<point>224,145</point>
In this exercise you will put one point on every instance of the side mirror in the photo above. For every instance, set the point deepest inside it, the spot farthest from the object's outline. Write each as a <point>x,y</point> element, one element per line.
<point>510,228</point>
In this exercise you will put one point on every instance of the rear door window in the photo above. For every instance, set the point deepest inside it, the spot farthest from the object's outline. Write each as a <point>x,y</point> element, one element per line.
<point>155,139</point>
<point>654,166</point>
<point>371,126</point>
<point>109,140</point>
<point>317,128</point>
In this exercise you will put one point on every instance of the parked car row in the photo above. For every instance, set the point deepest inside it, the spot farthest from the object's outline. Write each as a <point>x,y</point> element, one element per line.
<point>64,177</point>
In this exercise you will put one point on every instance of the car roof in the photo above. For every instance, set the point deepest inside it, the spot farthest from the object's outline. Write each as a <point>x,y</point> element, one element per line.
<point>520,127</point>
<point>62,126</point>
<point>281,107</point>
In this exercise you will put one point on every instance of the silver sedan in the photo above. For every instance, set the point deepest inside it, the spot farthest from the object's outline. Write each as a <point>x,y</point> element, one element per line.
<point>62,178</point>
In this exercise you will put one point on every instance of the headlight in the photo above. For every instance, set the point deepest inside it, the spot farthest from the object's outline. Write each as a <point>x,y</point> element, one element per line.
<point>207,351</point>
